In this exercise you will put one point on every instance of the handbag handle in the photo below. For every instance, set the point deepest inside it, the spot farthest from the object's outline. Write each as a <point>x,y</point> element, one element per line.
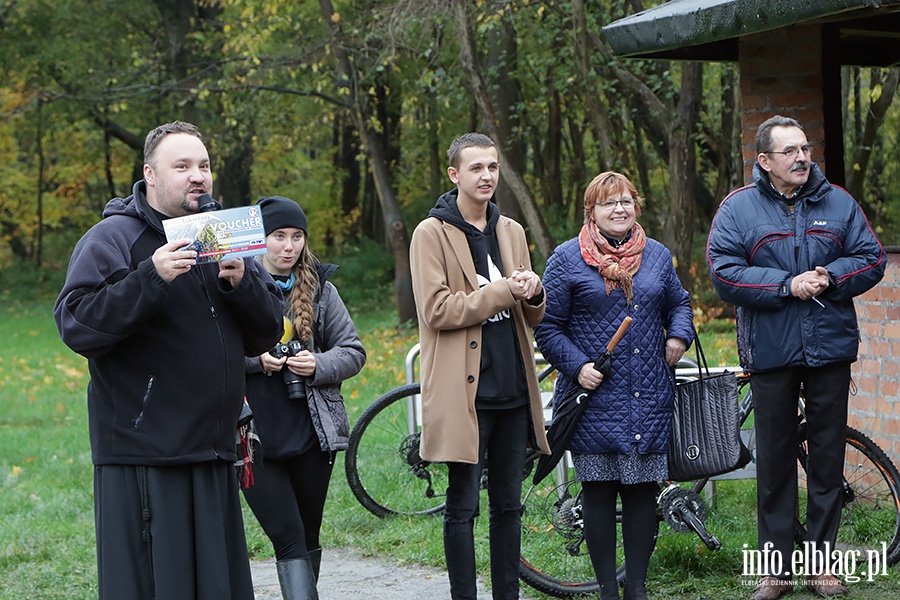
<point>701,356</point>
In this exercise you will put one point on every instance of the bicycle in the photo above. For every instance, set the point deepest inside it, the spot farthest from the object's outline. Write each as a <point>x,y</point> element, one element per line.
<point>871,514</point>
<point>388,476</point>
<point>383,467</point>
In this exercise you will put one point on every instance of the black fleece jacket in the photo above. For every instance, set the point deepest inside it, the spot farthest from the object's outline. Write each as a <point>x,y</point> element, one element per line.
<point>166,359</point>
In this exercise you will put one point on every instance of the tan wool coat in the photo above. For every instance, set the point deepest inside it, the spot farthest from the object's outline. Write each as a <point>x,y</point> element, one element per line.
<point>451,308</point>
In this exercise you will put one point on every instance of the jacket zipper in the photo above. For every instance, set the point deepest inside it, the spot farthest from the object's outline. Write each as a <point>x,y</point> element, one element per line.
<point>136,424</point>
<point>215,316</point>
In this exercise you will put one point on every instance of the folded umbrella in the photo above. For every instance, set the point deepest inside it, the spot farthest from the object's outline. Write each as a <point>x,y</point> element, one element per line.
<point>570,409</point>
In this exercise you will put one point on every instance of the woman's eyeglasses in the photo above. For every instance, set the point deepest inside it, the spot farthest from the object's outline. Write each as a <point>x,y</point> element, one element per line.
<point>611,204</point>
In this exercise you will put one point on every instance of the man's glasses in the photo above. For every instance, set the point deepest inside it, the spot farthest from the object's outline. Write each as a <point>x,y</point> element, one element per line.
<point>611,204</point>
<point>792,152</point>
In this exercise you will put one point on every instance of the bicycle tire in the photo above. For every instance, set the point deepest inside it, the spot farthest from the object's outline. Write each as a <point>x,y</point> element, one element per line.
<point>383,466</point>
<point>871,510</point>
<point>554,558</point>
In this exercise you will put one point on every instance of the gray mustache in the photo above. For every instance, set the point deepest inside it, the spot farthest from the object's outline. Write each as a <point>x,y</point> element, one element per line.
<point>800,166</point>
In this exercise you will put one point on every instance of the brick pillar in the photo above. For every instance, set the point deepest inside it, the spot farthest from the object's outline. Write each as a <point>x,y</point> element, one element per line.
<point>875,407</point>
<point>783,73</point>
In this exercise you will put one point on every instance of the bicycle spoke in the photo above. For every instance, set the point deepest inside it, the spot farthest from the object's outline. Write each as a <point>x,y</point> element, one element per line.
<point>555,557</point>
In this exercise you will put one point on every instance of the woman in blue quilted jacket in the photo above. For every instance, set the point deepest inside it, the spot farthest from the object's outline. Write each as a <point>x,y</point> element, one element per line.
<point>610,271</point>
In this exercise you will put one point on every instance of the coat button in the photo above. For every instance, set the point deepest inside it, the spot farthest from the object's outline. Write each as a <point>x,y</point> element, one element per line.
<point>637,436</point>
<point>637,307</point>
<point>473,344</point>
<point>637,394</point>
<point>637,350</point>
<point>470,378</point>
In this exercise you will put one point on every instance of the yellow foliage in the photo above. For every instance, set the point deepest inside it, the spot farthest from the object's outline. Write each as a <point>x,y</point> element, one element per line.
<point>70,371</point>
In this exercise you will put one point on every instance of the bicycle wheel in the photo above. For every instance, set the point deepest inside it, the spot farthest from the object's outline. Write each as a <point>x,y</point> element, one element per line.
<point>871,511</point>
<point>554,555</point>
<point>384,469</point>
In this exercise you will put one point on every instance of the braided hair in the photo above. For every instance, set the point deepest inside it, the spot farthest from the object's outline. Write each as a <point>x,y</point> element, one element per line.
<point>303,294</point>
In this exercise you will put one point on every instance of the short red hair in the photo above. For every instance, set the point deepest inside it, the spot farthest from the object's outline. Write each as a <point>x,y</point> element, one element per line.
<point>607,185</point>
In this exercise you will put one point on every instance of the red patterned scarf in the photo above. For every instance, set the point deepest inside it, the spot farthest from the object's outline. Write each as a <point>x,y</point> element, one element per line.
<point>616,265</point>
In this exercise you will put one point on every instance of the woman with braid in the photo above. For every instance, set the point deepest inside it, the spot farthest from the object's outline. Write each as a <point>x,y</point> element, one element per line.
<point>295,394</point>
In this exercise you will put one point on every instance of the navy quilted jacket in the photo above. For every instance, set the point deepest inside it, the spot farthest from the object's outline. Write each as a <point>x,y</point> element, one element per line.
<point>634,404</point>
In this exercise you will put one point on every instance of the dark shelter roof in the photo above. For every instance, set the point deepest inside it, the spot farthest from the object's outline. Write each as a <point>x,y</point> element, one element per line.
<point>709,29</point>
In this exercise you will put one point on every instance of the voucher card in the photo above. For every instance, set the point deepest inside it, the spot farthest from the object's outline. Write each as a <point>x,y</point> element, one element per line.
<point>229,233</point>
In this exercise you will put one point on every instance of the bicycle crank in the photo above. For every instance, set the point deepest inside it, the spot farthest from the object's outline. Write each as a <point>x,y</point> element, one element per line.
<point>685,511</point>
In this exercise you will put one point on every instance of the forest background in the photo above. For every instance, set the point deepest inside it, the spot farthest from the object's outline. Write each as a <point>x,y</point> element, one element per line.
<point>348,108</point>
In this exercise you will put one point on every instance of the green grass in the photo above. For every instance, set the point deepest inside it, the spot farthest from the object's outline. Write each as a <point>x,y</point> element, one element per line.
<point>46,517</point>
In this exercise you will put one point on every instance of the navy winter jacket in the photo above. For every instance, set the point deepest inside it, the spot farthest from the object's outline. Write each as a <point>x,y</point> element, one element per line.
<point>634,404</point>
<point>166,359</point>
<point>756,246</point>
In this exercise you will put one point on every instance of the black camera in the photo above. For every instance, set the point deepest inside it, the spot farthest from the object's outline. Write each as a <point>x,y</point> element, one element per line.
<point>296,389</point>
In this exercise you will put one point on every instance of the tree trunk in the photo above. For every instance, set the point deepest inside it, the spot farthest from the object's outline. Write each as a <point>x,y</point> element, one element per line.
<point>595,108</point>
<point>856,173</point>
<point>436,161</point>
<point>534,220</point>
<point>578,173</point>
<point>551,177</point>
<point>502,59</point>
<point>236,165</point>
<point>397,235</point>
<point>39,234</point>
<point>679,228</point>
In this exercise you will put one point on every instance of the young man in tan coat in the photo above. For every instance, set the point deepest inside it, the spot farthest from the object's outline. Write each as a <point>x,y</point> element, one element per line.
<point>476,299</point>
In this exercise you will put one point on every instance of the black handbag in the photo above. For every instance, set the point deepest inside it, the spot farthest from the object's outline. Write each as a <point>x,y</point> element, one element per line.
<point>706,428</point>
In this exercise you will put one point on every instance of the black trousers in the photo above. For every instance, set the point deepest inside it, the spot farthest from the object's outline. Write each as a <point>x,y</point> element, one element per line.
<point>288,499</point>
<point>775,408</point>
<point>173,533</point>
<point>503,434</point>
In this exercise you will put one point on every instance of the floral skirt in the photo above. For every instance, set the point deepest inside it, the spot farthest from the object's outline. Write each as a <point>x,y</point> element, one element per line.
<point>626,468</point>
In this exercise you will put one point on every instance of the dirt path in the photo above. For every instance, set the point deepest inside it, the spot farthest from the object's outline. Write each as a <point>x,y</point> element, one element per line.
<point>348,574</point>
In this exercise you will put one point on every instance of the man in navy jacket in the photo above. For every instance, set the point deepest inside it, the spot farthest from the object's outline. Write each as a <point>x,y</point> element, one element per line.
<point>791,251</point>
<point>165,340</point>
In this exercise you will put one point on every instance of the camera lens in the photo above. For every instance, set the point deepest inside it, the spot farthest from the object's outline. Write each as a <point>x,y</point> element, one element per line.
<point>296,389</point>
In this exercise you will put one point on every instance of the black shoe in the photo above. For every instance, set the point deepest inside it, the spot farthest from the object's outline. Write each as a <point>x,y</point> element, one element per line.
<point>635,590</point>
<point>297,579</point>
<point>609,590</point>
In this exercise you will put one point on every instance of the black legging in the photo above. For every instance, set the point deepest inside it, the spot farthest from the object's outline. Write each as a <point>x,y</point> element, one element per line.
<point>638,526</point>
<point>288,498</point>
